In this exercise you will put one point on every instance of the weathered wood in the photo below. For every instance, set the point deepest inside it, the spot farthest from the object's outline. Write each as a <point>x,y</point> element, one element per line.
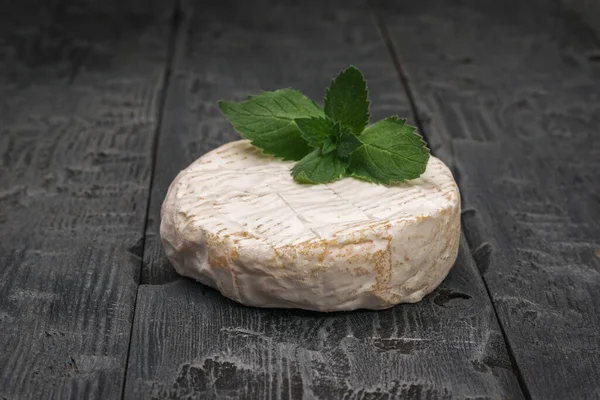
<point>588,11</point>
<point>79,91</point>
<point>513,101</point>
<point>189,340</point>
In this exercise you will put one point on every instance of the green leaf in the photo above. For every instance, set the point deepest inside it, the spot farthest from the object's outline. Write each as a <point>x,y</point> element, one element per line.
<point>328,147</point>
<point>347,143</point>
<point>318,168</point>
<point>268,121</point>
<point>317,131</point>
<point>346,100</point>
<point>391,152</point>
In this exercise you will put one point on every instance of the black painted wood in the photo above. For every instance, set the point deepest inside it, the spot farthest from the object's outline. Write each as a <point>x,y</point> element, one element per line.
<point>588,11</point>
<point>512,99</point>
<point>189,341</point>
<point>79,90</point>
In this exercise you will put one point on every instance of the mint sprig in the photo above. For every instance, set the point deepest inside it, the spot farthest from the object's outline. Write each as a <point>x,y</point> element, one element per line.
<point>333,142</point>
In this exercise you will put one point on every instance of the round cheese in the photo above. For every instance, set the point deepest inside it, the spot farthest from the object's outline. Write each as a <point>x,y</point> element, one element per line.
<point>236,220</point>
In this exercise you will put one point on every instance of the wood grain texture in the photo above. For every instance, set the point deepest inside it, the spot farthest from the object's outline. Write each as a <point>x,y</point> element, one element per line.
<point>513,102</point>
<point>191,342</point>
<point>79,89</point>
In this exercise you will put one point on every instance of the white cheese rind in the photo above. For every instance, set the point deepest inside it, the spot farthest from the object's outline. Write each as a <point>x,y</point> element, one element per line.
<point>235,220</point>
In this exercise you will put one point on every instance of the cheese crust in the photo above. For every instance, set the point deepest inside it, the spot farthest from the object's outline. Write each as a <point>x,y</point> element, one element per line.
<point>235,220</point>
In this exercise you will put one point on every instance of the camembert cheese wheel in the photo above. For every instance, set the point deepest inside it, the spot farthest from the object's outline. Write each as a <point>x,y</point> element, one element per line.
<point>236,220</point>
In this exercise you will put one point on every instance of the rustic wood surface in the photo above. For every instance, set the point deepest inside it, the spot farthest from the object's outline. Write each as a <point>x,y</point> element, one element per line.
<point>102,103</point>
<point>189,340</point>
<point>80,84</point>
<point>512,95</point>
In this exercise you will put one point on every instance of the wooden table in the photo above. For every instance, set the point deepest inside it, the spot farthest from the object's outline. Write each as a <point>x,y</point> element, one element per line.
<point>102,103</point>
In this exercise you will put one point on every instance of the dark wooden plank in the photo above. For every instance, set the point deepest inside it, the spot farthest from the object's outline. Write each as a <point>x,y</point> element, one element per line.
<point>588,11</point>
<point>79,91</point>
<point>513,102</point>
<point>190,341</point>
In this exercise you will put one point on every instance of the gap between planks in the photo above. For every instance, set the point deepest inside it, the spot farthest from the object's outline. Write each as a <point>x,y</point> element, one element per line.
<point>405,82</point>
<point>175,21</point>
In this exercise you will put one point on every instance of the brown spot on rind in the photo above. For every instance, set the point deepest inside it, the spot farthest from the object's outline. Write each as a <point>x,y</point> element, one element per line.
<point>221,254</point>
<point>242,234</point>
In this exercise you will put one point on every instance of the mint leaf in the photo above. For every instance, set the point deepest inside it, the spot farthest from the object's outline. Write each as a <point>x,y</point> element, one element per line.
<point>316,130</point>
<point>391,152</point>
<point>319,132</point>
<point>346,100</point>
<point>347,143</point>
<point>328,147</point>
<point>268,121</point>
<point>318,168</point>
